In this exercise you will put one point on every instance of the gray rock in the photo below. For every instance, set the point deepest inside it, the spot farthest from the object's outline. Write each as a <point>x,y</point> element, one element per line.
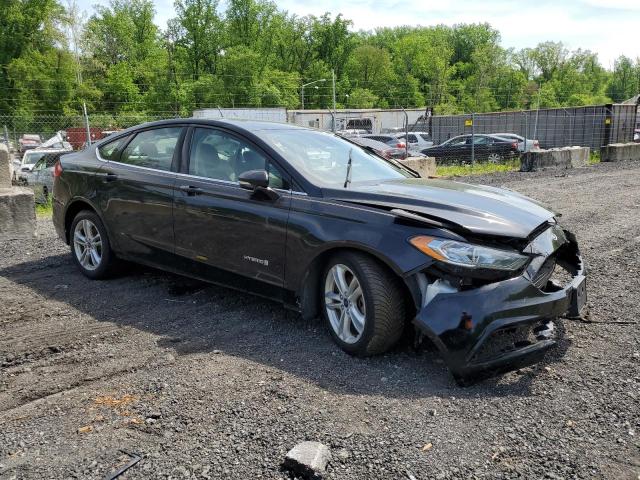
<point>308,459</point>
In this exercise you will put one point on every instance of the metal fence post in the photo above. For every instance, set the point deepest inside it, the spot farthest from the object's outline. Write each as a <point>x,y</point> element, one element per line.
<point>526,131</point>
<point>473,140</point>
<point>6,136</point>
<point>86,124</point>
<point>406,132</point>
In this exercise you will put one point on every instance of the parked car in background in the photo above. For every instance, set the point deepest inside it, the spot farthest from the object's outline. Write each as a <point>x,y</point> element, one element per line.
<point>390,139</point>
<point>28,141</point>
<point>29,160</point>
<point>382,149</point>
<point>489,148</point>
<point>522,145</point>
<point>636,135</point>
<point>363,241</point>
<point>418,141</point>
<point>40,177</point>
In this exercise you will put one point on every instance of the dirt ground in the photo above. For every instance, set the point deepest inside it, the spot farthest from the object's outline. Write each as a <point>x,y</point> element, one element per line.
<point>204,382</point>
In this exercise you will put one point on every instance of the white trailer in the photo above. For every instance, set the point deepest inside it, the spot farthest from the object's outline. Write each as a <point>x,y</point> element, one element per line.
<point>375,120</point>
<point>263,114</point>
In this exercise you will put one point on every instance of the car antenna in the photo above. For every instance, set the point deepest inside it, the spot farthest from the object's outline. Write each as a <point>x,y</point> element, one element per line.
<point>347,180</point>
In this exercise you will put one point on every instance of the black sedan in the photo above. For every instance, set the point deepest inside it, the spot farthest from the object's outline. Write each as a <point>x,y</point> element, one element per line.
<point>491,148</point>
<point>326,227</point>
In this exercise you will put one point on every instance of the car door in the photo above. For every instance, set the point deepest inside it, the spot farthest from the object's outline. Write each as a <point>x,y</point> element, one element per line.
<point>221,225</point>
<point>454,149</point>
<point>135,192</point>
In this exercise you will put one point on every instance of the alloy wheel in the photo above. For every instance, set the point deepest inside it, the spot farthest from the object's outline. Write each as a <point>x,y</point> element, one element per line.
<point>344,303</point>
<point>494,158</point>
<point>87,244</point>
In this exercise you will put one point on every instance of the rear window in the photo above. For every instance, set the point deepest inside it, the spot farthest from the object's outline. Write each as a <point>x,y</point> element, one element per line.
<point>152,148</point>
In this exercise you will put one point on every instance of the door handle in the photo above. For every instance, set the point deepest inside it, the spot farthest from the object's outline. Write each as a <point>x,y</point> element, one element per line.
<point>110,177</point>
<point>190,189</point>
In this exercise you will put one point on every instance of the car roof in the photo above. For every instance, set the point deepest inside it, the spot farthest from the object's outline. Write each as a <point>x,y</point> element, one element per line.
<point>250,125</point>
<point>235,124</point>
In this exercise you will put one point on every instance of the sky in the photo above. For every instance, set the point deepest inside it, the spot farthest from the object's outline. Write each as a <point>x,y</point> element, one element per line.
<point>607,27</point>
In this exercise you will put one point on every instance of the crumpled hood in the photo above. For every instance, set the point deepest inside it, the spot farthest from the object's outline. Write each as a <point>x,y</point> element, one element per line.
<point>481,210</point>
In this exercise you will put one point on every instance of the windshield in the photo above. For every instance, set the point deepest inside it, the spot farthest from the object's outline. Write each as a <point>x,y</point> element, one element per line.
<point>322,158</point>
<point>30,158</point>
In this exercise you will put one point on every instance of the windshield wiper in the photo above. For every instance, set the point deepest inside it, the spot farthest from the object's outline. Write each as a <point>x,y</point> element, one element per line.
<point>347,180</point>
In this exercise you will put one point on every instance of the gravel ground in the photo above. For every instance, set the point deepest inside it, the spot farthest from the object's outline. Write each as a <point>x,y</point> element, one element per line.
<point>205,382</point>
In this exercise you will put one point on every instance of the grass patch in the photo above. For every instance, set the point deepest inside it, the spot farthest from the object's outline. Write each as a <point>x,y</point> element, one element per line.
<point>594,157</point>
<point>477,169</point>
<point>44,209</point>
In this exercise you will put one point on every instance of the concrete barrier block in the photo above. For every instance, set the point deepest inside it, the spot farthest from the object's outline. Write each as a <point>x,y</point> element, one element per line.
<point>425,166</point>
<point>620,152</point>
<point>5,167</point>
<point>17,213</point>
<point>557,158</point>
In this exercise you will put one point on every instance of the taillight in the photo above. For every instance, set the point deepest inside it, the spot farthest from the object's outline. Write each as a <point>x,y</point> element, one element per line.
<point>514,145</point>
<point>57,169</point>
<point>400,145</point>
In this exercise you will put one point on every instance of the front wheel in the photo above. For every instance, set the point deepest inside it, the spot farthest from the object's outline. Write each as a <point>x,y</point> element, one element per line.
<point>494,158</point>
<point>363,304</point>
<point>90,245</point>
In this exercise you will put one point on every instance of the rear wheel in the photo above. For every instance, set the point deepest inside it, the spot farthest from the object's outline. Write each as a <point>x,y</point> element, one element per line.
<point>363,304</point>
<point>90,245</point>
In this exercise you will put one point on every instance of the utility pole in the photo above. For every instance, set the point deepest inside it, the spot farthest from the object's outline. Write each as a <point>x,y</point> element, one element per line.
<point>333,83</point>
<point>306,85</point>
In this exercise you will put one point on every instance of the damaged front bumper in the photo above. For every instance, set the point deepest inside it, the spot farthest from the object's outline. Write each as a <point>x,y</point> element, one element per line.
<point>503,325</point>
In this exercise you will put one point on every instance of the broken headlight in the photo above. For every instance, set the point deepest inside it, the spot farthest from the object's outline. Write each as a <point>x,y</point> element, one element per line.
<point>468,255</point>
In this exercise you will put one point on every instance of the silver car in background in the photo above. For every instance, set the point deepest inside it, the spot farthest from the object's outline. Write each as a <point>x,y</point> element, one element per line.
<point>40,177</point>
<point>418,141</point>
<point>523,146</point>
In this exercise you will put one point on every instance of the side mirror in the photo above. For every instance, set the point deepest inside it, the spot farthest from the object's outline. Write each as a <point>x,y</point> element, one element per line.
<point>254,179</point>
<point>257,181</point>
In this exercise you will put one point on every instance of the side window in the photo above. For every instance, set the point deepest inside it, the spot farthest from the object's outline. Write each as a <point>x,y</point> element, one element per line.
<point>425,137</point>
<point>109,151</point>
<point>412,138</point>
<point>152,148</point>
<point>218,155</point>
<point>277,179</point>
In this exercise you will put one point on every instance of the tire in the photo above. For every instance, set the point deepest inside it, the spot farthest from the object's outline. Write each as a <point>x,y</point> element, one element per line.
<point>97,266</point>
<point>376,316</point>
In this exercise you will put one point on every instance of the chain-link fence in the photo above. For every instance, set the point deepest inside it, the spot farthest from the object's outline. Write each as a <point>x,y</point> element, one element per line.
<point>452,139</point>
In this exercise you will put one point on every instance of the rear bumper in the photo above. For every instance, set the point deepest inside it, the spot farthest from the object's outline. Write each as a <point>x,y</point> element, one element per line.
<point>58,219</point>
<point>498,327</point>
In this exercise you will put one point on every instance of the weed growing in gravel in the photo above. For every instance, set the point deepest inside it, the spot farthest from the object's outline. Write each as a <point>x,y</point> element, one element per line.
<point>594,157</point>
<point>477,169</point>
<point>44,209</point>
